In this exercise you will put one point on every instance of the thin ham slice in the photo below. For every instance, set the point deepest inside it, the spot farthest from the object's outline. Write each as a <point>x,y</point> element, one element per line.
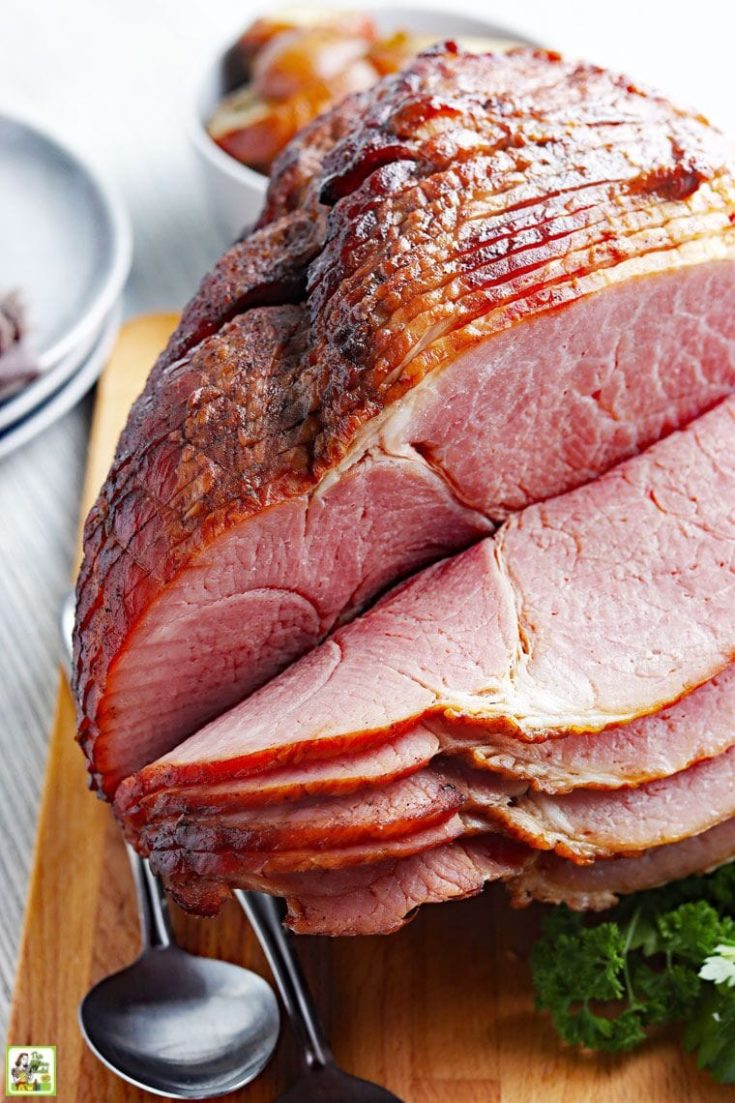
<point>586,825</point>
<point>557,881</point>
<point>379,765</point>
<point>583,825</point>
<point>696,728</point>
<point>201,880</point>
<point>396,810</point>
<point>448,800</point>
<point>381,898</point>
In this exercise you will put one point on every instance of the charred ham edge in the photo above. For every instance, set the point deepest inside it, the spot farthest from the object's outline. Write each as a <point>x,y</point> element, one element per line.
<point>268,268</point>
<point>494,634</point>
<point>543,237</point>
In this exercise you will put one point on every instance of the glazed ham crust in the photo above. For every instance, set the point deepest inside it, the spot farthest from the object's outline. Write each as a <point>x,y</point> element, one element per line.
<point>318,370</point>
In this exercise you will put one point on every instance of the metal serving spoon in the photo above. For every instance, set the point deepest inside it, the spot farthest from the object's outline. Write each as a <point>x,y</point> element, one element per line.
<point>178,1025</point>
<point>322,1080</point>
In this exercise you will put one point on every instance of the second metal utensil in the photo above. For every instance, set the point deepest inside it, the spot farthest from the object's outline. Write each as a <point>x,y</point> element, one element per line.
<point>178,1025</point>
<point>322,1080</point>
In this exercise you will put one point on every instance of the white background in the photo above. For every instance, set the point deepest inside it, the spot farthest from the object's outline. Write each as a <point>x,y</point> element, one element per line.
<point>116,80</point>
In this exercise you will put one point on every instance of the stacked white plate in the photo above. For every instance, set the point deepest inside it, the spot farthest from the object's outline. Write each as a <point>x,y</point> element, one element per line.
<point>65,247</point>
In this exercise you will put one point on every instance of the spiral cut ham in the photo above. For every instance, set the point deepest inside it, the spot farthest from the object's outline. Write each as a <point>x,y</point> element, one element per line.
<point>486,314</point>
<point>474,287</point>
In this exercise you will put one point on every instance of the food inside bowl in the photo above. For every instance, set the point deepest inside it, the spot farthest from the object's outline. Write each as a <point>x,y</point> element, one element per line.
<point>297,64</point>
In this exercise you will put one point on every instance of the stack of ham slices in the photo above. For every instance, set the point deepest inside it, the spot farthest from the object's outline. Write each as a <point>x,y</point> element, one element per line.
<point>487,314</point>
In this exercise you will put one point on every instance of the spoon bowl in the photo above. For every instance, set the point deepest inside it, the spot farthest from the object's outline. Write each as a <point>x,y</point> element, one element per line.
<point>182,1026</point>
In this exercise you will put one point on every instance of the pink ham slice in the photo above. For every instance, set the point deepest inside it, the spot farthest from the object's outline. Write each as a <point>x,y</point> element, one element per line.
<point>699,727</point>
<point>331,776</point>
<point>532,633</point>
<point>300,569</point>
<point>201,880</point>
<point>404,807</point>
<point>586,825</point>
<point>263,846</point>
<point>379,899</point>
<point>557,881</point>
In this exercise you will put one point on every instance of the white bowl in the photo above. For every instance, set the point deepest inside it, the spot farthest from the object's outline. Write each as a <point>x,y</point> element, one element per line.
<point>236,191</point>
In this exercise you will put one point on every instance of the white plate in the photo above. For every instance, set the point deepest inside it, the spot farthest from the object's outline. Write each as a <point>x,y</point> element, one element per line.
<point>67,396</point>
<point>65,243</point>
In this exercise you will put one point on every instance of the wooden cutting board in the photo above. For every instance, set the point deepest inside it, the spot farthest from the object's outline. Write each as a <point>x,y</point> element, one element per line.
<point>440,1013</point>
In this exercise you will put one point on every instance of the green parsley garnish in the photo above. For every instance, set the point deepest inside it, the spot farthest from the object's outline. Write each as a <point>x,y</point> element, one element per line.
<point>658,957</point>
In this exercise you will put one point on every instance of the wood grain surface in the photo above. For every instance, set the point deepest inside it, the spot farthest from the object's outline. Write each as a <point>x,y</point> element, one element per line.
<point>440,1013</point>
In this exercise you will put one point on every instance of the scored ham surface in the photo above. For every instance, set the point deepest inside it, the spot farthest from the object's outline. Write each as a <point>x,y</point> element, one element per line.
<point>474,287</point>
<point>487,307</point>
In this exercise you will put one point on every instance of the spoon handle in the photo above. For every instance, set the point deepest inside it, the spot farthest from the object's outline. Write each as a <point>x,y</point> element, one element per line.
<point>155,926</point>
<point>264,914</point>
